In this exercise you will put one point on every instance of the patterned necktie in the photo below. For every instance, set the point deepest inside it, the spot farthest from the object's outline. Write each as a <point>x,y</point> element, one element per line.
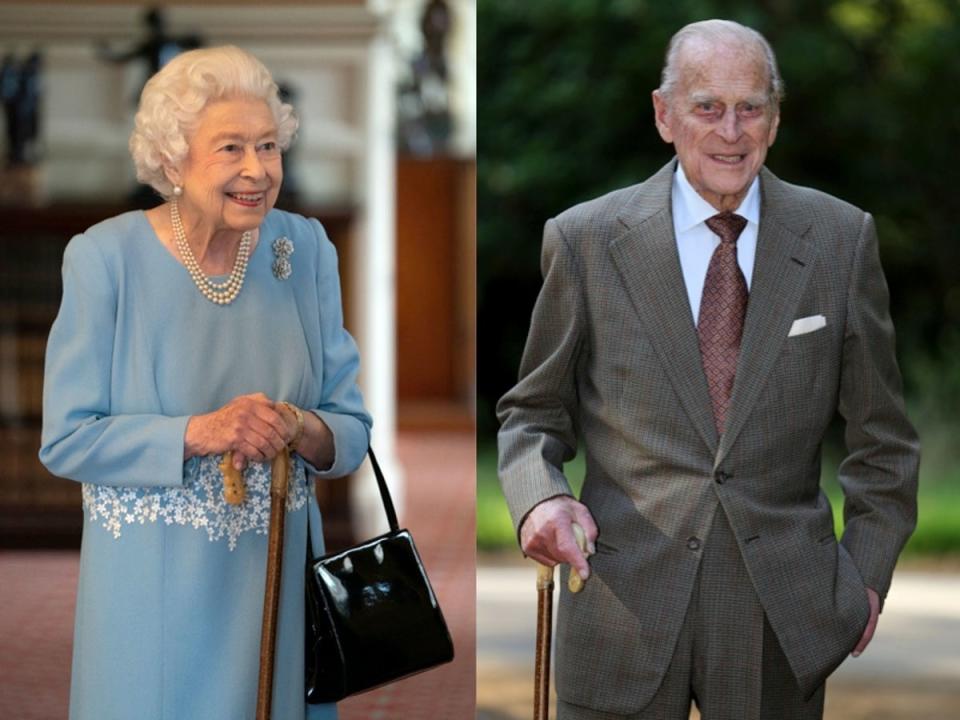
<point>722,309</point>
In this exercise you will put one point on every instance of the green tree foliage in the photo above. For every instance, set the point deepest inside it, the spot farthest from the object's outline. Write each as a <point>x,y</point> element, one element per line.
<point>870,116</point>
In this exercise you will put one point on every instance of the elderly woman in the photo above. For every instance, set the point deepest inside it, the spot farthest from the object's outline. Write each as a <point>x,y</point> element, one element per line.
<point>209,324</point>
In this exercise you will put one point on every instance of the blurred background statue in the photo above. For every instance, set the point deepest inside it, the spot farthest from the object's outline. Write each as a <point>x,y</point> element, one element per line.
<point>20,93</point>
<point>290,190</point>
<point>423,106</point>
<point>157,49</point>
<point>20,87</point>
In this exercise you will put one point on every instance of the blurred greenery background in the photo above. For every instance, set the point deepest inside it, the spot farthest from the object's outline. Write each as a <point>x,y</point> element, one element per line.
<point>871,115</point>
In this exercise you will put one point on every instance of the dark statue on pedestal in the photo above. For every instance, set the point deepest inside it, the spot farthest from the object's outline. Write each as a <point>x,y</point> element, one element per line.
<point>20,89</point>
<point>423,106</point>
<point>157,49</point>
<point>20,93</point>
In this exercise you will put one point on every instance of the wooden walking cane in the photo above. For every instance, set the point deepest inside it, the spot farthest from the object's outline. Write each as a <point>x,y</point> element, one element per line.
<point>271,596</point>
<point>541,671</point>
<point>234,492</point>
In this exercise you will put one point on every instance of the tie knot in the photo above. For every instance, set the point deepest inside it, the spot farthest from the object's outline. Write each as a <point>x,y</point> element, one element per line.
<point>727,225</point>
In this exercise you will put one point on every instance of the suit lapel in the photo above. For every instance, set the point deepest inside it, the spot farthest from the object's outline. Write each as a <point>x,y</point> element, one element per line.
<point>781,271</point>
<point>646,257</point>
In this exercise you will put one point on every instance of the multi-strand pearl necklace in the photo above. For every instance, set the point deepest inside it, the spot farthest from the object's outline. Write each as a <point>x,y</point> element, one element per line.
<point>222,293</point>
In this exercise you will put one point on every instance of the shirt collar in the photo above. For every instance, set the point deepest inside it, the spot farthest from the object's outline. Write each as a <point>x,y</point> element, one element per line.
<point>690,209</point>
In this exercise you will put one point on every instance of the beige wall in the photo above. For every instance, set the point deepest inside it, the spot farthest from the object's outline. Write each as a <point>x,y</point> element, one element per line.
<point>88,104</point>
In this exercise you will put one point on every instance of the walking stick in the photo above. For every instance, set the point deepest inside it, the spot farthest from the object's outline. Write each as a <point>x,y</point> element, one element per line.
<point>541,671</point>
<point>271,595</point>
<point>234,492</point>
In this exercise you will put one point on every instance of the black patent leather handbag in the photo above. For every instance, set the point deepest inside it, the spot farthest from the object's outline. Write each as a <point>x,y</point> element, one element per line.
<point>371,615</point>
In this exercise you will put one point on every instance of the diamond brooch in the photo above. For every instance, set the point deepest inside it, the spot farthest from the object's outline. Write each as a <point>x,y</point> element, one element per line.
<point>282,250</point>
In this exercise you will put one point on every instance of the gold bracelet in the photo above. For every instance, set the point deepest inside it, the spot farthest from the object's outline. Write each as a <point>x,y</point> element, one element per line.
<point>299,415</point>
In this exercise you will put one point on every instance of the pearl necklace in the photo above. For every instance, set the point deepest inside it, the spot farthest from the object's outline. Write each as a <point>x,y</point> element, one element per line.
<point>222,293</point>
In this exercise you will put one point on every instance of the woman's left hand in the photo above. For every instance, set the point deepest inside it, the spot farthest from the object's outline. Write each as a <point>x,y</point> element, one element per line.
<point>316,441</point>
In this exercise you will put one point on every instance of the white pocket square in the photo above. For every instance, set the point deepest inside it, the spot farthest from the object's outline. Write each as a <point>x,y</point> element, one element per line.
<point>805,325</point>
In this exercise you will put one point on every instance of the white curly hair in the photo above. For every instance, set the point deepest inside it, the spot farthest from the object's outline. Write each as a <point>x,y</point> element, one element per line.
<point>172,100</point>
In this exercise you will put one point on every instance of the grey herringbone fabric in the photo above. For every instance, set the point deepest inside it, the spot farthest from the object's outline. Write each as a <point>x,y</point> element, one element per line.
<point>612,362</point>
<point>714,663</point>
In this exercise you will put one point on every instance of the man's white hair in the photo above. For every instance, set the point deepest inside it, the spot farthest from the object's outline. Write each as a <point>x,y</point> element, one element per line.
<point>172,100</point>
<point>723,32</point>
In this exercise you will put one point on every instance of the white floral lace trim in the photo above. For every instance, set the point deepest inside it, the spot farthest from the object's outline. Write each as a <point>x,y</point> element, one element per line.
<point>199,503</point>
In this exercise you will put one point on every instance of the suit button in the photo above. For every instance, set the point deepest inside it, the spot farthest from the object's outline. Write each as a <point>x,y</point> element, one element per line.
<point>693,543</point>
<point>721,477</point>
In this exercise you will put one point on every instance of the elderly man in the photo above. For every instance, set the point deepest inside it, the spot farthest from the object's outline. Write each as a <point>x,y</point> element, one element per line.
<point>697,333</point>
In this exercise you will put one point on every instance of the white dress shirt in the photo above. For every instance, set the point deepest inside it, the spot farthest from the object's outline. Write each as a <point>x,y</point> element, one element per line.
<point>696,242</point>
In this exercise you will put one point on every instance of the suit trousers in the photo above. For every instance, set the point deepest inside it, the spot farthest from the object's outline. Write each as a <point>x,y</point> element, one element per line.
<point>727,660</point>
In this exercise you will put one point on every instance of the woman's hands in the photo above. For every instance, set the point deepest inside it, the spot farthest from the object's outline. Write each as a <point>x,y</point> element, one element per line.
<point>253,426</point>
<point>256,429</point>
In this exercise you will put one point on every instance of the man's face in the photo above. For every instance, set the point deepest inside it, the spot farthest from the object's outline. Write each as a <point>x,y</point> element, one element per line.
<point>719,118</point>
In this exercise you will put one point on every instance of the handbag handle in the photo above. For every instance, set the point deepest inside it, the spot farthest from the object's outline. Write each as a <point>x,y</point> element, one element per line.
<point>384,498</point>
<point>384,492</point>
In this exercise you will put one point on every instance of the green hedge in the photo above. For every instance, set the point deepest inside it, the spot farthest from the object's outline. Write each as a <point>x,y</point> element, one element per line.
<point>938,527</point>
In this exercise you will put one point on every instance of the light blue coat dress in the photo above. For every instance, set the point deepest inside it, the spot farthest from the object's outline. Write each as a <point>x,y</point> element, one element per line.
<point>170,596</point>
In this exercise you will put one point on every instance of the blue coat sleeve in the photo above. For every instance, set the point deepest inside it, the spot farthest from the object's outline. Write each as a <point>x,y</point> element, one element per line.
<point>83,438</point>
<point>341,404</point>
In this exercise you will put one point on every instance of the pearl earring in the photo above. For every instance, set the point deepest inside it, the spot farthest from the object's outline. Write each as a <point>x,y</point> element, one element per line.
<point>177,190</point>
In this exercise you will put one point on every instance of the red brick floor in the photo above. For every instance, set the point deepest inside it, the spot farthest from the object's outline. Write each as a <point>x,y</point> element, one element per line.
<point>37,595</point>
<point>38,591</point>
<point>441,514</point>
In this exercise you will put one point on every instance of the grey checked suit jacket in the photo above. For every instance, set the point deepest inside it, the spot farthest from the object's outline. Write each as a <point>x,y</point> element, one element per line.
<point>612,362</point>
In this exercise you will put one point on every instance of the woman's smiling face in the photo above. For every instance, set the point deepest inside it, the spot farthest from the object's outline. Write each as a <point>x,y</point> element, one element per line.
<point>232,173</point>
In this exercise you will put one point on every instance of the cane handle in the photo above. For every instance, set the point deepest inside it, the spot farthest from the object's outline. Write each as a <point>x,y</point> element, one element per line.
<point>574,581</point>
<point>544,577</point>
<point>234,488</point>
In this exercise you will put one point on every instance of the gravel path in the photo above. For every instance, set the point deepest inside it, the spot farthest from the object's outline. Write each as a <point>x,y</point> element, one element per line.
<point>911,671</point>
